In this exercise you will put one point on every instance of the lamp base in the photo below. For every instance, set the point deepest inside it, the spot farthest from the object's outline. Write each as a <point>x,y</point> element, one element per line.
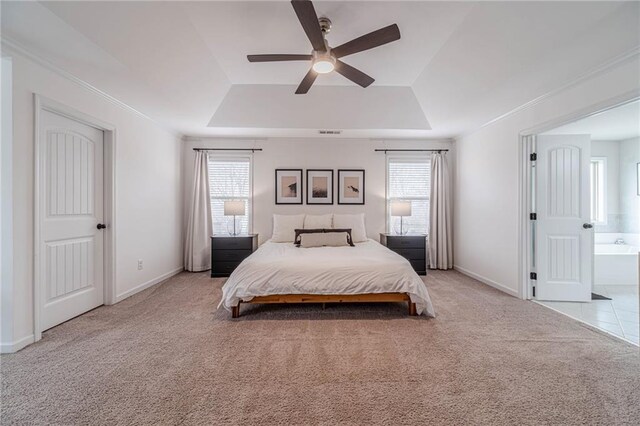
<point>233,231</point>
<point>401,229</point>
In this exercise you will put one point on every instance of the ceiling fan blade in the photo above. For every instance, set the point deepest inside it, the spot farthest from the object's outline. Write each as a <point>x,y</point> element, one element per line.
<point>353,74</point>
<point>309,21</point>
<point>278,57</point>
<point>368,41</point>
<point>306,83</point>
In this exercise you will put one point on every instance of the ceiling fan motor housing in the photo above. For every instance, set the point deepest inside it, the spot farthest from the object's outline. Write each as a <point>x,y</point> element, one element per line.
<point>325,24</point>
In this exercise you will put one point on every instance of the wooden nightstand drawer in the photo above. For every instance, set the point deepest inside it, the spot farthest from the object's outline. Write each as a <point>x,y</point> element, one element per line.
<point>234,243</point>
<point>420,266</point>
<point>230,255</point>
<point>398,241</point>
<point>411,254</point>
<point>224,268</point>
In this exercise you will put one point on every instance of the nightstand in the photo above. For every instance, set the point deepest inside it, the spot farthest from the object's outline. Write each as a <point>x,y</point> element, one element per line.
<point>413,247</point>
<point>228,251</point>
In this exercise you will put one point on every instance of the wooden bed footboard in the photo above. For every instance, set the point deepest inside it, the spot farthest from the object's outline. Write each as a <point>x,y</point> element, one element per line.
<point>330,298</point>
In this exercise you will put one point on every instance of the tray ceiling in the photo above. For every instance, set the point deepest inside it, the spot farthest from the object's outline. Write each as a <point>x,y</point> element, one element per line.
<point>184,63</point>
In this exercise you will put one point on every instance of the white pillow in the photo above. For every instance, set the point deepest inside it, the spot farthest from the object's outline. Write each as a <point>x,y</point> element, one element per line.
<point>318,221</point>
<point>284,227</point>
<point>355,222</point>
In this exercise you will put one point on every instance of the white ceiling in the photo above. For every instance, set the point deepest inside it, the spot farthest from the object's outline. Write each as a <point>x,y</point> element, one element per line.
<point>615,124</point>
<point>184,63</point>
<point>268,27</point>
<point>336,107</point>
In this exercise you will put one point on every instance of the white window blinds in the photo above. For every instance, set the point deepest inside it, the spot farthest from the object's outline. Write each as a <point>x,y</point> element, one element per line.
<point>230,179</point>
<point>409,179</point>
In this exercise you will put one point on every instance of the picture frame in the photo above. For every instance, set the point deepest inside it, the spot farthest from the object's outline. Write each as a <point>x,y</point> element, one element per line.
<point>289,186</point>
<point>319,186</point>
<point>351,186</point>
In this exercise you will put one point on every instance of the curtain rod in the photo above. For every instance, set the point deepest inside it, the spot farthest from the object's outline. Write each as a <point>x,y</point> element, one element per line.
<point>228,149</point>
<point>411,150</point>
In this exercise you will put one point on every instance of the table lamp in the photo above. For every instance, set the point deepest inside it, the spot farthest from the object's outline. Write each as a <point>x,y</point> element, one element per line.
<point>234,208</point>
<point>402,209</point>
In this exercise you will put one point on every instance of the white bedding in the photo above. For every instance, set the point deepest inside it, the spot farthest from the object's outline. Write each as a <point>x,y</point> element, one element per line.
<point>282,268</point>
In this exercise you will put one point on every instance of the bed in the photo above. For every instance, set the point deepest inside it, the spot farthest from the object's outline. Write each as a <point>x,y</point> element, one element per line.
<point>284,273</point>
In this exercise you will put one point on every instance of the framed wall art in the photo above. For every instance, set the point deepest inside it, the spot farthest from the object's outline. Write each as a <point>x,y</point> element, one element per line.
<point>351,186</point>
<point>289,186</point>
<point>319,186</point>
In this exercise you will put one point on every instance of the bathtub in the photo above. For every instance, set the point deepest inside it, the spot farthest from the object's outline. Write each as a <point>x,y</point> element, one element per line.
<point>616,264</point>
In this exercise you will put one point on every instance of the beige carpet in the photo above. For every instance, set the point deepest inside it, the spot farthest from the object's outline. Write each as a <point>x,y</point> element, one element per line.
<point>167,356</point>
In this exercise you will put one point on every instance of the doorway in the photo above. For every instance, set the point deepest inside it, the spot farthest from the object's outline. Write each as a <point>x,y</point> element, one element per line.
<point>74,218</point>
<point>585,227</point>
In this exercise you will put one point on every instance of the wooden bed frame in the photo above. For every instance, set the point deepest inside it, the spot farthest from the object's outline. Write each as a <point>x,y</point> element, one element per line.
<point>330,298</point>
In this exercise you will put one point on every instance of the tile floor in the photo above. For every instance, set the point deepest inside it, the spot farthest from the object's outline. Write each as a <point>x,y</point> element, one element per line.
<point>618,316</point>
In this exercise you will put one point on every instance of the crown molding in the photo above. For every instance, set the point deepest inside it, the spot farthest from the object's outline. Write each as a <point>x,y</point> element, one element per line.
<point>593,72</point>
<point>188,138</point>
<point>593,109</point>
<point>12,47</point>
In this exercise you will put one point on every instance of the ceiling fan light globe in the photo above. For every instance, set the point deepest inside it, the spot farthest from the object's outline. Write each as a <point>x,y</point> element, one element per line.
<point>323,66</point>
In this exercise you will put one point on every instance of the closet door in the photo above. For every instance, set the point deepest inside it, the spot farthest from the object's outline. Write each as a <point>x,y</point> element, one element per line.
<point>71,207</point>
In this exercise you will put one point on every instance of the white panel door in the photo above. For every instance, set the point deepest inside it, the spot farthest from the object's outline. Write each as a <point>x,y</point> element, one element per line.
<point>564,237</point>
<point>71,206</point>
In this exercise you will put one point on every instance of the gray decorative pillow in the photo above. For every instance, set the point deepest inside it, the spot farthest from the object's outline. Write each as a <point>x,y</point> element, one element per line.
<point>300,232</point>
<point>324,239</point>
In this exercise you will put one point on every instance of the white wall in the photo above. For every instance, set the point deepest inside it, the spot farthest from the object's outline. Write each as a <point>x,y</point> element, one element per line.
<point>6,214</point>
<point>148,187</point>
<point>486,190</point>
<point>313,153</point>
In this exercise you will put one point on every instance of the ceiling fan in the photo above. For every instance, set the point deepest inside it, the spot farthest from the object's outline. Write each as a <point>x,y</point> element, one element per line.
<point>324,58</point>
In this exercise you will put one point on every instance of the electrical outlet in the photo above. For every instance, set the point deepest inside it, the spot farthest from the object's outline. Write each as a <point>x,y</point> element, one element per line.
<point>139,264</point>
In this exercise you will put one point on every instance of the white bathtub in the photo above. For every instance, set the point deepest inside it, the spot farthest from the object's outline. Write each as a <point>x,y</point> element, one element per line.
<point>616,264</point>
<point>615,249</point>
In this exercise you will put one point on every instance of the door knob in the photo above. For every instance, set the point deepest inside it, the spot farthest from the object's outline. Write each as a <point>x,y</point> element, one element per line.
<point>101,226</point>
<point>587,225</point>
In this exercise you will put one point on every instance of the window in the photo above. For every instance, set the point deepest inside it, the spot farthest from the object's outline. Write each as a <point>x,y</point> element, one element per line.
<point>230,179</point>
<point>598,190</point>
<point>409,179</point>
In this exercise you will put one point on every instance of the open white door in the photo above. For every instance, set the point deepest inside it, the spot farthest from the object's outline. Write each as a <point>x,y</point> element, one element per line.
<point>564,237</point>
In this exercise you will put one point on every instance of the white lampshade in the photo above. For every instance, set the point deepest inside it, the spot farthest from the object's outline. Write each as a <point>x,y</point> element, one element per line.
<point>401,208</point>
<point>234,208</point>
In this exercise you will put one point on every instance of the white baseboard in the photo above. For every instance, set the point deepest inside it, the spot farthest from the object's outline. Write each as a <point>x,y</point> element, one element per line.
<point>120,297</point>
<point>487,281</point>
<point>9,348</point>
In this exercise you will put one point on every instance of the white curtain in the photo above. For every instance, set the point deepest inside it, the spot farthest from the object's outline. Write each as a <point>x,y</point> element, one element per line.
<point>197,251</point>
<point>440,217</point>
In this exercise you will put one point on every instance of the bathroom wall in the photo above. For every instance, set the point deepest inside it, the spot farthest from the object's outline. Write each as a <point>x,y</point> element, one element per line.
<point>629,198</point>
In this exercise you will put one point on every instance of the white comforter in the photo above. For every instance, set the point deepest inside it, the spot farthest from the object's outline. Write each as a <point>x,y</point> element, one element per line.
<point>282,268</point>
